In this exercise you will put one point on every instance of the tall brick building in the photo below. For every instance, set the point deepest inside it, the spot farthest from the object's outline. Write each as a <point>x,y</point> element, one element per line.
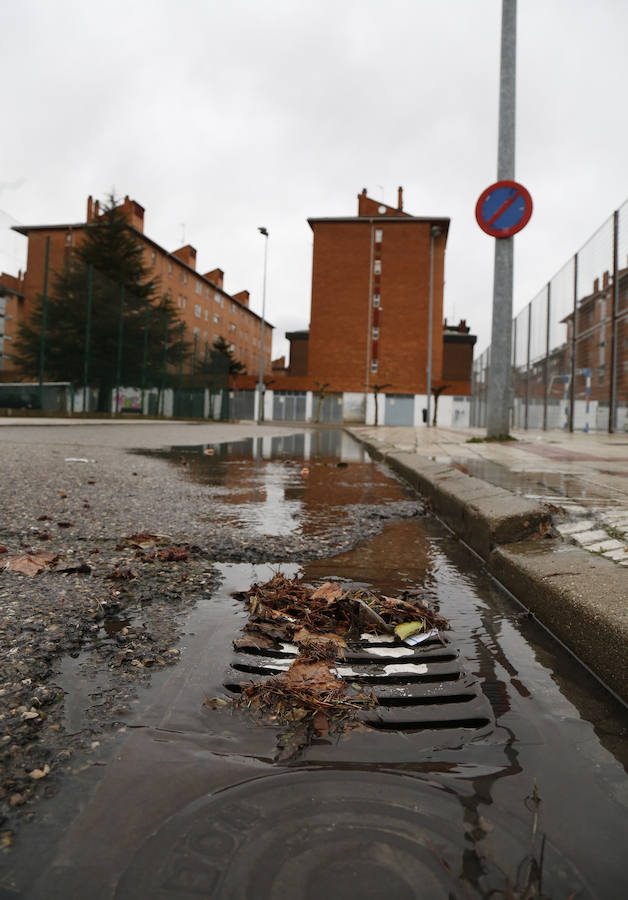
<point>206,309</point>
<point>370,315</point>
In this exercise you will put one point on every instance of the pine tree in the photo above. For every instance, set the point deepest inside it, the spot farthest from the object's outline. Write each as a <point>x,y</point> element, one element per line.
<point>132,333</point>
<point>222,358</point>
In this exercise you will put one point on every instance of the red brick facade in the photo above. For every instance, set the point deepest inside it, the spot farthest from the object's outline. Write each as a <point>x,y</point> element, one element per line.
<point>370,299</point>
<point>206,309</point>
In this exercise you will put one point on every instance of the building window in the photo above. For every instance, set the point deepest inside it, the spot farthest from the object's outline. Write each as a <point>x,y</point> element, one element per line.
<point>375,332</point>
<point>378,235</point>
<point>197,333</point>
<point>232,326</point>
<point>376,300</point>
<point>169,270</point>
<point>198,287</point>
<point>179,301</point>
<point>216,319</point>
<point>153,259</point>
<point>207,315</point>
<point>169,294</point>
<point>233,307</point>
<point>185,278</point>
<point>377,267</point>
<point>68,239</point>
<point>207,294</point>
<point>197,310</point>
<point>232,347</point>
<point>373,366</point>
<point>185,302</point>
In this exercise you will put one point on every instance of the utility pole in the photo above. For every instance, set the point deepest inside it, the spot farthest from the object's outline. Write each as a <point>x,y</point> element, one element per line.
<point>260,383</point>
<point>500,374</point>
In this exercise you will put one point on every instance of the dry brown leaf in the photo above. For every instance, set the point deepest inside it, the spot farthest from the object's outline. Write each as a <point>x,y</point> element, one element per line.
<point>29,563</point>
<point>303,636</point>
<point>328,591</point>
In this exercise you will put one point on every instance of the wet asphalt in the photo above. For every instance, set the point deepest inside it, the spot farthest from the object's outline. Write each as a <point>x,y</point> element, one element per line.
<point>167,798</point>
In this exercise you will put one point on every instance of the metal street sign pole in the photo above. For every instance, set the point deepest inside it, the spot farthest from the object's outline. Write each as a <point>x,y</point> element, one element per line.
<point>500,374</point>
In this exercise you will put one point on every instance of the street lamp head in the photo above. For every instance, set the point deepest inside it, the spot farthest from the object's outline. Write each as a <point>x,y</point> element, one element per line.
<point>263,231</point>
<point>435,231</point>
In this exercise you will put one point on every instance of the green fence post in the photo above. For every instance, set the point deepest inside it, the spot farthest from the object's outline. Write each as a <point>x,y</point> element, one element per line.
<point>119,360</point>
<point>88,326</point>
<point>44,316</point>
<point>145,357</point>
<point>164,363</point>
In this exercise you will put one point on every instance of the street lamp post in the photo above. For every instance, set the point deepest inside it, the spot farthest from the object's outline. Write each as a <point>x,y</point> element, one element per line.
<point>260,384</point>
<point>434,233</point>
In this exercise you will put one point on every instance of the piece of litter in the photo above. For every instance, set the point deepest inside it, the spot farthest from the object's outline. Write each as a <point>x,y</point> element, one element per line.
<point>79,459</point>
<point>419,638</point>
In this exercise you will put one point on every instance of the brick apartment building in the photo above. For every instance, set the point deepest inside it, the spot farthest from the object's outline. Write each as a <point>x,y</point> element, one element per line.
<point>206,309</point>
<point>370,316</point>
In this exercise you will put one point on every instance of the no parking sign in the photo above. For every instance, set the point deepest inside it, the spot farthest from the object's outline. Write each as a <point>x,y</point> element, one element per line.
<point>503,209</point>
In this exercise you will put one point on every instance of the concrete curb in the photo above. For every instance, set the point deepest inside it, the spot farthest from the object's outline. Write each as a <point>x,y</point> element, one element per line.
<point>483,515</point>
<point>579,597</point>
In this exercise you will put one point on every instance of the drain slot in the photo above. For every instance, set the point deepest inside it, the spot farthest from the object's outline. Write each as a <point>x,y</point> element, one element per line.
<point>418,689</point>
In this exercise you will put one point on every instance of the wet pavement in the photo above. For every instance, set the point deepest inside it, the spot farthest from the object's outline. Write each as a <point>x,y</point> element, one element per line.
<point>181,801</point>
<point>583,477</point>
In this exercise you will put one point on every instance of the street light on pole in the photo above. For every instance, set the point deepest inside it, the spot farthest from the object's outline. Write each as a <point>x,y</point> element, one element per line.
<point>260,384</point>
<point>434,233</point>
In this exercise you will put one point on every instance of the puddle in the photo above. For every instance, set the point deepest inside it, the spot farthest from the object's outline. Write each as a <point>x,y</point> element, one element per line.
<point>83,686</point>
<point>553,487</point>
<point>309,484</point>
<point>193,804</point>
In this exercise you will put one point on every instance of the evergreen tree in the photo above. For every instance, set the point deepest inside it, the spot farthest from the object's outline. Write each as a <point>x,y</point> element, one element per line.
<point>222,359</point>
<point>131,331</point>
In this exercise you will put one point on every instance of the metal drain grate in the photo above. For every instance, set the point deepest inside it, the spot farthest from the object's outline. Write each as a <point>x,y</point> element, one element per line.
<point>417,687</point>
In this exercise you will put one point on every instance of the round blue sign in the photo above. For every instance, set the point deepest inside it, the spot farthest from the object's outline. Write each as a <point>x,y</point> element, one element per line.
<point>503,209</point>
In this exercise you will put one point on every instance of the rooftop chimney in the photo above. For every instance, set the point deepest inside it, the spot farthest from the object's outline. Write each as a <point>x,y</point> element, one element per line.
<point>89,208</point>
<point>400,198</point>
<point>216,276</point>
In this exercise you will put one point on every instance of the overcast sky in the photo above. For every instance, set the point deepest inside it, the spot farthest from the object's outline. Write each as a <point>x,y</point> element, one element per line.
<point>219,117</point>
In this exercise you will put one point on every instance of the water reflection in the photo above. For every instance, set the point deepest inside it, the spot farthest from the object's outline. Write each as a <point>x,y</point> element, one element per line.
<point>308,484</point>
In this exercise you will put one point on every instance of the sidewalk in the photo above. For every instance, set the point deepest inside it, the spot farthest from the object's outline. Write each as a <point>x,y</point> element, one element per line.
<point>548,513</point>
<point>584,477</point>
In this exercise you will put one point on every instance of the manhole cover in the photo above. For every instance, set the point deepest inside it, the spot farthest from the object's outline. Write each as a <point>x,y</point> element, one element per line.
<point>336,834</point>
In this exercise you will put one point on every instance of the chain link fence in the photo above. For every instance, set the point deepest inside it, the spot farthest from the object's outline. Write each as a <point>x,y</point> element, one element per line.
<point>570,343</point>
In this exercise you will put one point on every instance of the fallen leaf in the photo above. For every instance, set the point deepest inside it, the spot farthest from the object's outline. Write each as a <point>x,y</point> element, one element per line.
<point>406,629</point>
<point>65,524</point>
<point>302,636</point>
<point>327,591</point>
<point>43,518</point>
<point>215,702</point>
<point>29,563</point>
<point>37,774</point>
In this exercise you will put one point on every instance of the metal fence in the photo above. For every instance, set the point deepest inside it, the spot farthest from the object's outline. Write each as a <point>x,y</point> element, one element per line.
<point>570,343</point>
<point>116,351</point>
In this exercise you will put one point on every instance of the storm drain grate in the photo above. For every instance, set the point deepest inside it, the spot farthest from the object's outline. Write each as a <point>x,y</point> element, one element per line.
<point>417,688</point>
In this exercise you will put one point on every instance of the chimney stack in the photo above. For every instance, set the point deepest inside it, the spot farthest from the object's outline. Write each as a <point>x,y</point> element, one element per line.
<point>89,208</point>
<point>400,198</point>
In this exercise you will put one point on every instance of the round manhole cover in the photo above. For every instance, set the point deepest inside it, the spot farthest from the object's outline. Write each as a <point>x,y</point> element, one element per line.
<point>307,836</point>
